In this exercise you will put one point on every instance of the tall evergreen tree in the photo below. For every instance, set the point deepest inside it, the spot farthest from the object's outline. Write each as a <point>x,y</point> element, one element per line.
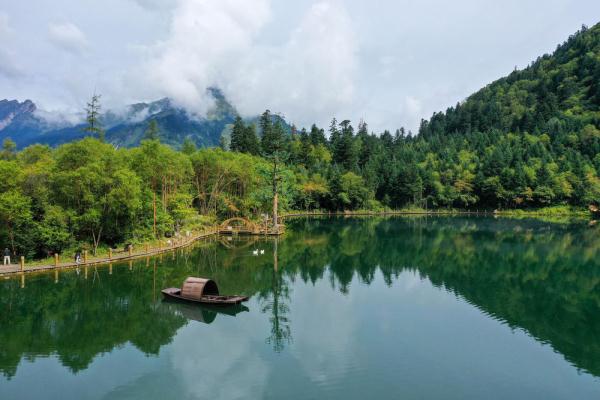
<point>251,143</point>
<point>237,135</point>
<point>92,110</point>
<point>152,131</point>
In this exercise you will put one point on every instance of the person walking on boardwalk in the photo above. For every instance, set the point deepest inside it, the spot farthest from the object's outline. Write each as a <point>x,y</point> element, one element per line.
<point>78,258</point>
<point>6,256</point>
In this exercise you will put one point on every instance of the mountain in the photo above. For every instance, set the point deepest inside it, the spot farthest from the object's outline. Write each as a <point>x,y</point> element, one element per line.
<point>23,123</point>
<point>531,138</point>
<point>556,92</point>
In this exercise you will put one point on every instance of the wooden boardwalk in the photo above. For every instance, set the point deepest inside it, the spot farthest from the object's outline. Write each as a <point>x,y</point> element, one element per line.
<point>13,269</point>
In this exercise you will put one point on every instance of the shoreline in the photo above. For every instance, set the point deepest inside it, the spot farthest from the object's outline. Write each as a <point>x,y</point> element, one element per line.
<point>15,269</point>
<point>541,213</point>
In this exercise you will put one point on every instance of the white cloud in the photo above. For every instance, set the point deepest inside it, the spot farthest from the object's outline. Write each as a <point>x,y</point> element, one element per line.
<point>5,28</point>
<point>59,118</point>
<point>155,4</point>
<point>214,44</point>
<point>205,41</point>
<point>9,67</point>
<point>202,374</point>
<point>311,76</point>
<point>68,37</point>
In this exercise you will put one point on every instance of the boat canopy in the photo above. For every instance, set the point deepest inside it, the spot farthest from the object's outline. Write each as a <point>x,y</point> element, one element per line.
<point>195,288</point>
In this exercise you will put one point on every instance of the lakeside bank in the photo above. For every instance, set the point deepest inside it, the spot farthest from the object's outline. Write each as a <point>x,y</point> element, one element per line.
<point>549,214</point>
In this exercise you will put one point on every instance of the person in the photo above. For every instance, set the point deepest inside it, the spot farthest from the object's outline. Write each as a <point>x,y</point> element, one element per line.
<point>6,256</point>
<point>78,258</point>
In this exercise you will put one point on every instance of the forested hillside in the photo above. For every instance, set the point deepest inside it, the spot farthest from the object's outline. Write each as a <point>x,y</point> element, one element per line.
<point>531,139</point>
<point>527,140</point>
<point>533,136</point>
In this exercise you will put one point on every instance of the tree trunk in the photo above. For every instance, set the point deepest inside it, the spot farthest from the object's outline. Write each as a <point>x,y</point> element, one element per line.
<point>275,200</point>
<point>96,239</point>
<point>11,235</point>
<point>154,206</point>
<point>275,194</point>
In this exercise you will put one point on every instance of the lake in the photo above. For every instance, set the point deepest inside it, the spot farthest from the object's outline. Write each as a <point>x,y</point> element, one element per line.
<point>340,308</point>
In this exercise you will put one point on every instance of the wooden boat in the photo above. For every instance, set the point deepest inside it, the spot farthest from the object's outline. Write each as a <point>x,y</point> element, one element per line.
<point>201,290</point>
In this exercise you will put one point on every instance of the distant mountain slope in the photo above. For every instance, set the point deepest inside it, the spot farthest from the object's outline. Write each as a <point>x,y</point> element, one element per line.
<point>20,122</point>
<point>562,88</point>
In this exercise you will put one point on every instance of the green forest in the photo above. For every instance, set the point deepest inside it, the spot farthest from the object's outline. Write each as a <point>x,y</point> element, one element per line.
<point>529,140</point>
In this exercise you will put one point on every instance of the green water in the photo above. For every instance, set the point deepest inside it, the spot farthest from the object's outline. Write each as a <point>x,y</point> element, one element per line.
<point>411,308</point>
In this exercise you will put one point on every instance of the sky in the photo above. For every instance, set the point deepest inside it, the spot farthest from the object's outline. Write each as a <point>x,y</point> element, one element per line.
<point>387,62</point>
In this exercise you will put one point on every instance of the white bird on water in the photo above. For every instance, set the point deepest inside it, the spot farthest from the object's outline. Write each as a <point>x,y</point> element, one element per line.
<point>262,252</point>
<point>255,252</point>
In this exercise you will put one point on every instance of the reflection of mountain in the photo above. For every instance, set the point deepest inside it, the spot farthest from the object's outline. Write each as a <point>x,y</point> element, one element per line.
<point>542,278</point>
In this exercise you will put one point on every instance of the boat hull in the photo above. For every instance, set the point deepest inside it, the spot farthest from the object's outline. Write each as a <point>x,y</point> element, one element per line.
<point>175,293</point>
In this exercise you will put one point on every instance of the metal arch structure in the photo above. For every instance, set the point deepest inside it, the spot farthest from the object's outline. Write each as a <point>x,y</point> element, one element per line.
<point>238,225</point>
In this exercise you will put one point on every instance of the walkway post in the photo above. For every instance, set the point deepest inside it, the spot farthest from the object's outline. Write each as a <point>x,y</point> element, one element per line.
<point>130,249</point>
<point>22,263</point>
<point>146,247</point>
<point>85,256</point>
<point>56,260</point>
<point>110,253</point>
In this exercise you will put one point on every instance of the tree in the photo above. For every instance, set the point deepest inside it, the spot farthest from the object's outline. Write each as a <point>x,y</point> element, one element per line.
<point>152,131</point>
<point>9,149</point>
<point>317,136</point>
<point>273,138</point>
<point>237,135</point>
<point>15,212</point>
<point>353,193</point>
<point>94,126</point>
<point>188,147</point>
<point>266,127</point>
<point>251,143</point>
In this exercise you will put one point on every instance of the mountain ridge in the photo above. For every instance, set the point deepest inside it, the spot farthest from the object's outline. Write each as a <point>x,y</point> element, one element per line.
<point>20,122</point>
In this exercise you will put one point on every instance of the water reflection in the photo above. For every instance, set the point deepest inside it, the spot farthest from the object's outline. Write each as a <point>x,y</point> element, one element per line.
<point>539,277</point>
<point>203,313</point>
<point>275,304</point>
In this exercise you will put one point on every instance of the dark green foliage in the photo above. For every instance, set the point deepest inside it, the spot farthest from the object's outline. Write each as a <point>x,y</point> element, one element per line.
<point>243,138</point>
<point>152,132</point>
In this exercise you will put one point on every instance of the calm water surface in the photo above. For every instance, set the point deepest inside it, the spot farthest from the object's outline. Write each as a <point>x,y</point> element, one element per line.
<point>411,308</point>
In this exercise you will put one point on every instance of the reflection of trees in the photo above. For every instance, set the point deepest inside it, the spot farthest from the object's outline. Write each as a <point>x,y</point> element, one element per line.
<point>276,306</point>
<point>532,275</point>
<point>539,277</point>
<point>76,319</point>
